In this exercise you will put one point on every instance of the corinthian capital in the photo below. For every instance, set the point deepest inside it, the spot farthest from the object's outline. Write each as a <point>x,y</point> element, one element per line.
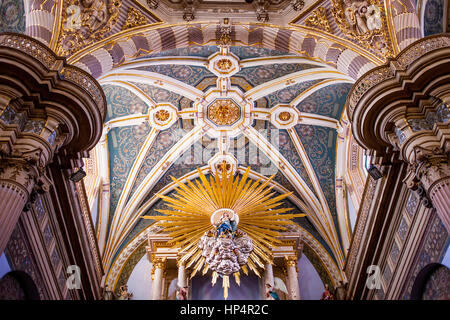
<point>429,166</point>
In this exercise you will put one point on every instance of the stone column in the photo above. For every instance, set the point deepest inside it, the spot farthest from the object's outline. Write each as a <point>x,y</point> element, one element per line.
<point>434,174</point>
<point>268,277</point>
<point>292,273</point>
<point>159,266</point>
<point>16,185</point>
<point>182,279</point>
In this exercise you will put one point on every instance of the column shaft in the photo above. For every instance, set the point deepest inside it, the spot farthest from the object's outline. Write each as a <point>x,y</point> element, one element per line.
<point>16,183</point>
<point>440,196</point>
<point>182,280</point>
<point>292,273</point>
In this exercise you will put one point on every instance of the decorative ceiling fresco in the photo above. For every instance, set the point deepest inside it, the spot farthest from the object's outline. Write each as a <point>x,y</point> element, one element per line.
<point>287,110</point>
<point>188,89</point>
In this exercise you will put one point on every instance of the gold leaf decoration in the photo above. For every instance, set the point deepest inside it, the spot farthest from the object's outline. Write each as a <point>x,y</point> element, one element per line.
<point>192,209</point>
<point>365,22</point>
<point>318,19</point>
<point>134,19</point>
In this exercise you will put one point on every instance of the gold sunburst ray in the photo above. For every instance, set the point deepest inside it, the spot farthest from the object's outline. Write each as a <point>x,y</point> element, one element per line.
<point>192,204</point>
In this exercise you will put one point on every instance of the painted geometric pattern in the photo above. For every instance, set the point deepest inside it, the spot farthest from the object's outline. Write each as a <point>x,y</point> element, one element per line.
<point>320,147</point>
<point>165,140</point>
<point>387,274</point>
<point>122,102</point>
<point>124,144</point>
<point>205,51</point>
<point>286,95</point>
<point>255,52</point>
<point>411,205</point>
<point>403,229</point>
<point>328,101</point>
<point>18,254</point>
<point>12,16</point>
<point>395,251</point>
<point>288,150</point>
<point>190,75</point>
<point>160,95</point>
<point>264,73</point>
<point>200,51</point>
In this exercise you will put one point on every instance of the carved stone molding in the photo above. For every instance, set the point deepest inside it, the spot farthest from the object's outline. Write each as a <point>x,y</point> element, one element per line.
<point>19,176</point>
<point>431,171</point>
<point>51,112</point>
<point>54,112</point>
<point>386,72</point>
<point>400,112</point>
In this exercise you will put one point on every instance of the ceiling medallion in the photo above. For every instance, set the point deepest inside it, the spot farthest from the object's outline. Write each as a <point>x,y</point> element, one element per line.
<point>284,116</point>
<point>224,64</point>
<point>223,112</point>
<point>162,115</point>
<point>224,225</point>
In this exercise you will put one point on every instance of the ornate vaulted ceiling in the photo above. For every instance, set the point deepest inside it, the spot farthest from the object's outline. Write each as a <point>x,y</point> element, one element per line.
<point>287,114</point>
<point>193,83</point>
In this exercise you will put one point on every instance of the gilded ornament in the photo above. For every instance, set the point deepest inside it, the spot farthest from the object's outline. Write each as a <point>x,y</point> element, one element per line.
<point>318,19</point>
<point>228,223</point>
<point>223,112</point>
<point>284,116</point>
<point>86,21</point>
<point>134,19</point>
<point>291,261</point>
<point>363,21</point>
<point>224,64</point>
<point>162,115</point>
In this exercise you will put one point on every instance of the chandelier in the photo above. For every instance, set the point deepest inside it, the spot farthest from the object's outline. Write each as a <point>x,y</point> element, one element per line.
<point>224,224</point>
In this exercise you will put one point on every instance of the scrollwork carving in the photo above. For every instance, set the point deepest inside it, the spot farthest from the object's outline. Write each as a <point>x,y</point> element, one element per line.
<point>86,21</point>
<point>318,19</point>
<point>364,22</point>
<point>134,19</point>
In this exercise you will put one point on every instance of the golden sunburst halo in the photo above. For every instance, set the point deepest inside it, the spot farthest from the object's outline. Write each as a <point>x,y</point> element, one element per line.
<point>255,204</point>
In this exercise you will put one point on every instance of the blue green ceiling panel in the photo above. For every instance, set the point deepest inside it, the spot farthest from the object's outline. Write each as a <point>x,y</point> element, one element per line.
<point>328,101</point>
<point>122,102</point>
